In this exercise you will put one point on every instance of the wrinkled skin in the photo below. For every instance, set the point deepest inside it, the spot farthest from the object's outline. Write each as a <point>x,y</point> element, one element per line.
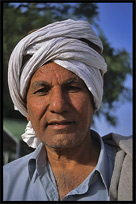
<point>59,107</point>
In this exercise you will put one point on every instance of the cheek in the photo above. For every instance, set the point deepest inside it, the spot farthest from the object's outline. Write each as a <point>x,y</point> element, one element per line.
<point>82,104</point>
<point>35,108</point>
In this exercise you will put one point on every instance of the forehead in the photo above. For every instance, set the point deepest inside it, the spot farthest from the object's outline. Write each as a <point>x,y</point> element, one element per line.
<point>52,71</point>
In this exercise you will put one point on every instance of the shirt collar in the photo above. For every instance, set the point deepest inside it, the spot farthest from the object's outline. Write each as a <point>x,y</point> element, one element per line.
<point>37,161</point>
<point>102,165</point>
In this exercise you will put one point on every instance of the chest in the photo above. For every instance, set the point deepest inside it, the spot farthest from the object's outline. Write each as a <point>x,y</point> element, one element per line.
<point>68,180</point>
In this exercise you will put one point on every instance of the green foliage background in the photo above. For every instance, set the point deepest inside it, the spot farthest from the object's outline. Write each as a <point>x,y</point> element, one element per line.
<point>19,19</point>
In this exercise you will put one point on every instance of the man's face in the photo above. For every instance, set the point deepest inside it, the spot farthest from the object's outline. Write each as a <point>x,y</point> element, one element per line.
<point>59,107</point>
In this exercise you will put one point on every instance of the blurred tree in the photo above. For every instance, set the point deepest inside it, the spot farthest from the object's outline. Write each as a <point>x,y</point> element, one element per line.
<point>17,23</point>
<point>20,18</point>
<point>115,93</point>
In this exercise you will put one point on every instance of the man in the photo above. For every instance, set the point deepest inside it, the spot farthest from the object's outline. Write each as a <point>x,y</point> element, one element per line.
<point>56,81</point>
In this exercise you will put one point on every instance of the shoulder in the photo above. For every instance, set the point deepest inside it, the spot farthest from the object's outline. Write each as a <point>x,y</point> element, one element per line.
<point>18,163</point>
<point>121,182</point>
<point>119,142</point>
<point>23,161</point>
<point>17,170</point>
<point>17,176</point>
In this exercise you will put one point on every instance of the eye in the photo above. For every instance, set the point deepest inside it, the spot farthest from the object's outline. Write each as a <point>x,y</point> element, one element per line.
<point>73,88</point>
<point>42,91</point>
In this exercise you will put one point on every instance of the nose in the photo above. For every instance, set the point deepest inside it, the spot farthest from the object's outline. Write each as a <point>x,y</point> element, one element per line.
<point>58,101</point>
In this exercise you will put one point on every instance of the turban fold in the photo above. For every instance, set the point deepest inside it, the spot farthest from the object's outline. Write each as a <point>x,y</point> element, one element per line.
<point>64,43</point>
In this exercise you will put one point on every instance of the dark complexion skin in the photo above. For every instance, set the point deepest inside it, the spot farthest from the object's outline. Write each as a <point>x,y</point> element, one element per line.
<point>60,109</point>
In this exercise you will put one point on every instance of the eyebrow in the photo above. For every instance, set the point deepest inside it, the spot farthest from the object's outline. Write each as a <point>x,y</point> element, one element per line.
<point>38,84</point>
<point>72,80</point>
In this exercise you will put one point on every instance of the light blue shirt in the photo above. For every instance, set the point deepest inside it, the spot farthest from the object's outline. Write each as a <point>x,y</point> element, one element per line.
<point>30,178</point>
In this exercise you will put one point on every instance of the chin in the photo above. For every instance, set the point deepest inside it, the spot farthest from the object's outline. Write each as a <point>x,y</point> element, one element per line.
<point>62,145</point>
<point>61,140</point>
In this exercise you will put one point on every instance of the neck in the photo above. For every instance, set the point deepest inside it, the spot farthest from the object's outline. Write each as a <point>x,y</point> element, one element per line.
<point>85,154</point>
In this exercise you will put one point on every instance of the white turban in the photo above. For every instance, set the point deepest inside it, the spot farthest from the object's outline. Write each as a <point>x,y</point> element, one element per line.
<point>61,43</point>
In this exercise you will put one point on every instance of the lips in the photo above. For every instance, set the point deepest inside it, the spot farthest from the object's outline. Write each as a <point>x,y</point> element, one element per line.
<point>62,122</point>
<point>61,125</point>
